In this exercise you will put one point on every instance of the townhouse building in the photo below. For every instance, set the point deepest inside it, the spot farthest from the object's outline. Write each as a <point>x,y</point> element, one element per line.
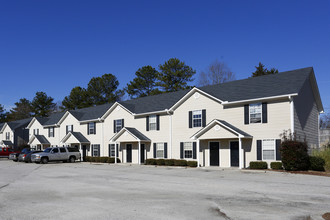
<point>14,134</point>
<point>226,125</point>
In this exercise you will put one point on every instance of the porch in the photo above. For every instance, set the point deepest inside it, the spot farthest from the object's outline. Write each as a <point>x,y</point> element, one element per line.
<point>132,144</point>
<point>222,144</point>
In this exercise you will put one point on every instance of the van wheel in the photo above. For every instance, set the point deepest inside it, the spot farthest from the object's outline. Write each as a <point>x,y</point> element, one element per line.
<point>72,159</point>
<point>44,160</point>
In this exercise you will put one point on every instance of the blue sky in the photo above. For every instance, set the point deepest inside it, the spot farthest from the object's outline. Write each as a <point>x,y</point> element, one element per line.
<point>53,46</point>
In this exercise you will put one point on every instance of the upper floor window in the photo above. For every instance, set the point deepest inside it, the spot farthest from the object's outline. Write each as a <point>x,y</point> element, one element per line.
<point>36,131</point>
<point>69,128</point>
<point>255,111</point>
<point>7,135</point>
<point>152,122</point>
<point>197,118</point>
<point>268,149</point>
<point>118,125</point>
<point>91,128</point>
<point>51,132</point>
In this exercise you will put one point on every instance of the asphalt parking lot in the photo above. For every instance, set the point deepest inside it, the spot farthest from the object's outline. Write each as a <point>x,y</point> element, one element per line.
<point>103,191</point>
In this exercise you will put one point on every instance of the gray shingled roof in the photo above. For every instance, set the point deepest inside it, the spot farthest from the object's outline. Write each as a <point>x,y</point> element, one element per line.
<point>19,123</point>
<point>80,137</point>
<point>54,118</point>
<point>154,103</point>
<point>137,134</point>
<point>283,83</point>
<point>1,125</point>
<point>234,128</point>
<point>91,113</point>
<point>7,143</point>
<point>42,139</point>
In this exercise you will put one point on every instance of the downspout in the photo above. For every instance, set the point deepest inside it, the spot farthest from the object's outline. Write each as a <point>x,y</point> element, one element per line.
<point>170,130</point>
<point>292,113</point>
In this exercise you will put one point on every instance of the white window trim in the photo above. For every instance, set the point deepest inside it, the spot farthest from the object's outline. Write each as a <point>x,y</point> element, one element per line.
<point>121,126</point>
<point>196,119</point>
<point>192,151</point>
<point>155,117</point>
<point>163,150</point>
<point>260,113</point>
<point>91,129</point>
<point>262,149</point>
<point>114,150</point>
<point>98,149</point>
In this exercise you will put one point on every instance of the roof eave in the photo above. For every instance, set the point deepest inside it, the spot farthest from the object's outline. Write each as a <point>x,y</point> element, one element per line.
<point>260,99</point>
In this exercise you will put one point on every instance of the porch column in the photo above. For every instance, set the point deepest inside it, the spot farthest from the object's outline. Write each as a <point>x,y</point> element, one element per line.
<point>240,150</point>
<point>80,152</point>
<point>198,158</point>
<point>139,156</point>
<point>115,152</point>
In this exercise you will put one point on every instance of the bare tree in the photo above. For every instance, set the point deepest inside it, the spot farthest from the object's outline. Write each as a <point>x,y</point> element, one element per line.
<point>325,121</point>
<point>217,72</point>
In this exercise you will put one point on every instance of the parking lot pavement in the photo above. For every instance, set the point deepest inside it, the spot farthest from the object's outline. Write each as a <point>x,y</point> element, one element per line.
<point>103,191</point>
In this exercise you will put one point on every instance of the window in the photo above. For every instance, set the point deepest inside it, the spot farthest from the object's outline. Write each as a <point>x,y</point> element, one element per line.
<point>69,128</point>
<point>152,123</point>
<point>188,149</point>
<point>118,125</point>
<point>91,128</point>
<point>160,150</point>
<point>51,132</point>
<point>55,150</point>
<point>112,150</point>
<point>36,131</point>
<point>7,135</point>
<point>62,150</point>
<point>96,150</point>
<point>268,149</point>
<point>197,118</point>
<point>255,113</point>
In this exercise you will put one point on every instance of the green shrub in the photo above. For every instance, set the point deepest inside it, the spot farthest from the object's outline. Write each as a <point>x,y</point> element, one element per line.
<point>325,154</point>
<point>169,162</point>
<point>87,158</point>
<point>112,160</point>
<point>276,165</point>
<point>151,162</point>
<point>294,155</point>
<point>160,162</point>
<point>258,165</point>
<point>316,163</point>
<point>192,163</point>
<point>182,163</point>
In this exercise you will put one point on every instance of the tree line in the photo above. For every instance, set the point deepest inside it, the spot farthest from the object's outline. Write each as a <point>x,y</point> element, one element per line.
<point>173,75</point>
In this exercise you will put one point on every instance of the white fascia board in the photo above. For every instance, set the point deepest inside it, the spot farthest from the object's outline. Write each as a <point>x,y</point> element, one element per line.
<point>3,127</point>
<point>63,117</point>
<point>121,132</point>
<point>260,99</point>
<point>189,94</point>
<point>91,120</point>
<point>31,123</point>
<point>31,139</point>
<point>112,108</point>
<point>53,125</point>
<point>154,113</point>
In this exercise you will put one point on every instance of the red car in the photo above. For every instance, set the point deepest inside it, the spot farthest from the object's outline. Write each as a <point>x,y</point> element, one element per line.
<point>5,151</point>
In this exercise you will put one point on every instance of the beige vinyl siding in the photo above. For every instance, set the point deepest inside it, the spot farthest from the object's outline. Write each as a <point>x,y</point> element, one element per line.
<point>278,120</point>
<point>139,123</point>
<point>306,116</point>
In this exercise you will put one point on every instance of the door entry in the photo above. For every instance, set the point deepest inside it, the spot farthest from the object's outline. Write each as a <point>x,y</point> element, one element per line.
<point>142,153</point>
<point>214,154</point>
<point>234,154</point>
<point>84,151</point>
<point>129,153</point>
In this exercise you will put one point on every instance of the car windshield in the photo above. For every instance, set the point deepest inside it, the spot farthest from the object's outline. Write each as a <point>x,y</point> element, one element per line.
<point>48,150</point>
<point>25,150</point>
